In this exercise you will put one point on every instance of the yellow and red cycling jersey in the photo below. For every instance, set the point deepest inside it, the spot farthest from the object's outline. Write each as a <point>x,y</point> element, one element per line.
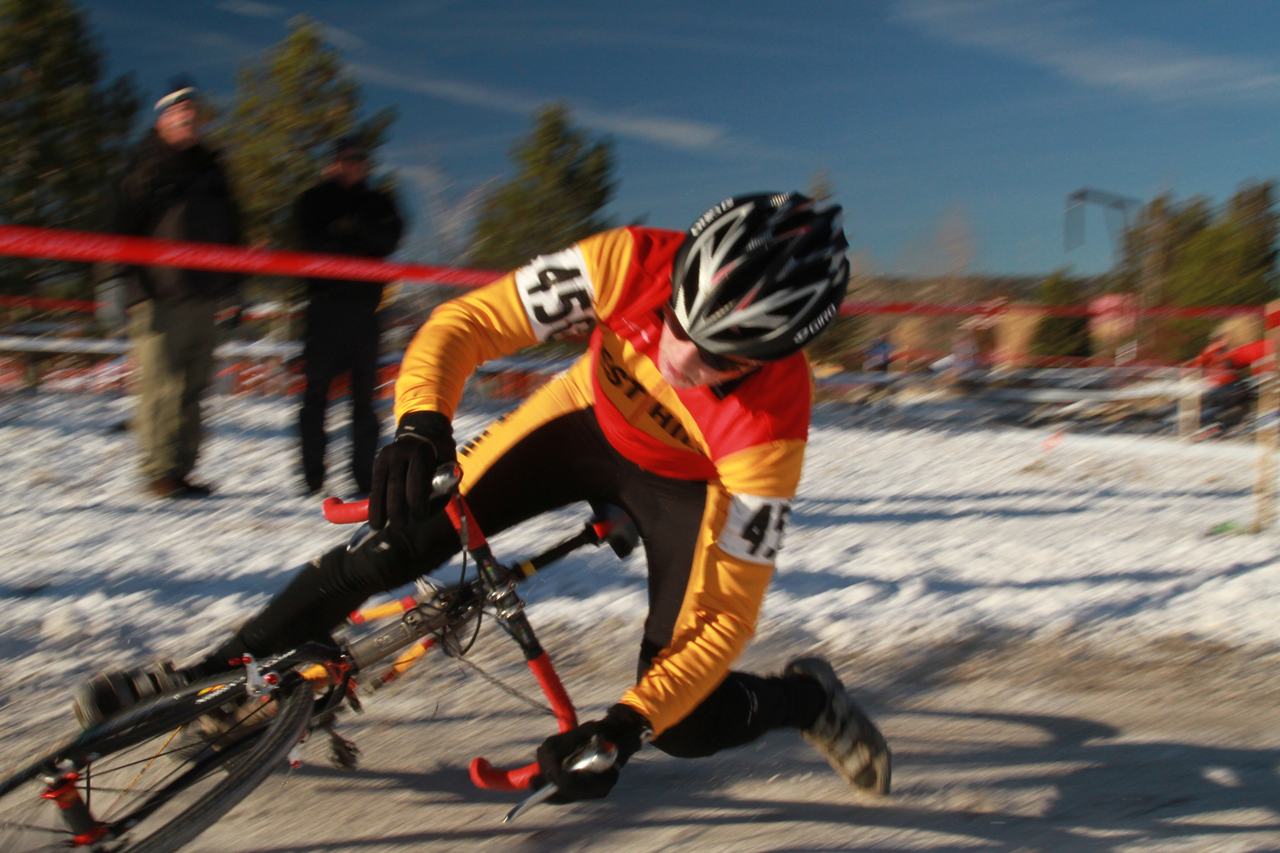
<point>745,439</point>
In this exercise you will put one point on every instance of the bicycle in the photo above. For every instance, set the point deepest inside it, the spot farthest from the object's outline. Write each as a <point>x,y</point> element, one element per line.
<point>211,743</point>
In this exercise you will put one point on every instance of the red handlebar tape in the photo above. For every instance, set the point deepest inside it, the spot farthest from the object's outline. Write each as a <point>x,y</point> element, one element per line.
<point>485,775</point>
<point>338,511</point>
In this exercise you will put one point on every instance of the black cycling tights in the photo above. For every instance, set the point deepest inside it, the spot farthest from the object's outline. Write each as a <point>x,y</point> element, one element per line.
<point>561,462</point>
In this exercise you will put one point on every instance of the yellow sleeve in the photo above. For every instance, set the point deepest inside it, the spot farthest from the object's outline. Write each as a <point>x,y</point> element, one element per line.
<point>739,542</point>
<point>717,621</point>
<point>459,336</point>
<point>557,294</point>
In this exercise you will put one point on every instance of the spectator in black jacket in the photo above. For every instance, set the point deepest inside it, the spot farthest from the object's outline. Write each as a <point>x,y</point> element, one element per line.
<point>175,188</point>
<point>343,215</point>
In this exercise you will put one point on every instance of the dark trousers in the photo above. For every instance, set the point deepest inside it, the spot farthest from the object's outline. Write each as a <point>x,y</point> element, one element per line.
<point>1228,404</point>
<point>339,337</point>
<point>565,460</point>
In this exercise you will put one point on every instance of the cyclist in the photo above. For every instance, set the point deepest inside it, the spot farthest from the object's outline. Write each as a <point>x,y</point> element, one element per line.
<point>1233,388</point>
<point>690,409</point>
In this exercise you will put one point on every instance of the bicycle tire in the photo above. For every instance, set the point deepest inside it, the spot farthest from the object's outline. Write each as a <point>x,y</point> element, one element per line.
<point>243,765</point>
<point>247,771</point>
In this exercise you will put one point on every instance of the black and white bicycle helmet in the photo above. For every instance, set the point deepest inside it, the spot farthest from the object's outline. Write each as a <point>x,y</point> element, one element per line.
<point>758,276</point>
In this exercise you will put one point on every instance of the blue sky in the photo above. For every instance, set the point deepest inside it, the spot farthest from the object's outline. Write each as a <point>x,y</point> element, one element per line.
<point>951,130</point>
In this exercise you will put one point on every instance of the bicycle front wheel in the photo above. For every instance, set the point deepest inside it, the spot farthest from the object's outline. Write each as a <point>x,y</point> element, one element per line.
<point>160,780</point>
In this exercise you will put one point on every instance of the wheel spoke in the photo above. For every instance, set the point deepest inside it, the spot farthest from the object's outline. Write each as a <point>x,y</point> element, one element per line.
<point>150,780</point>
<point>195,767</point>
<point>116,767</point>
<point>146,766</point>
<point>177,782</point>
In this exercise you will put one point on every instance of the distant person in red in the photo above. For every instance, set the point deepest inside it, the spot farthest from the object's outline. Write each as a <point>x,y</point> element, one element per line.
<point>1230,373</point>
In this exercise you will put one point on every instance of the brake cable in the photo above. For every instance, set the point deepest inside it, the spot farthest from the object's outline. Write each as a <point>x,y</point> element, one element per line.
<point>453,650</point>
<point>498,683</point>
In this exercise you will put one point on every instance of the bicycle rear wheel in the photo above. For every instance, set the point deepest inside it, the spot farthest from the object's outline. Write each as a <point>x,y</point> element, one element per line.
<point>155,780</point>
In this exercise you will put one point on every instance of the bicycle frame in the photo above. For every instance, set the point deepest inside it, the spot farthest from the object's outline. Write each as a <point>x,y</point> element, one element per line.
<point>416,625</point>
<point>411,626</point>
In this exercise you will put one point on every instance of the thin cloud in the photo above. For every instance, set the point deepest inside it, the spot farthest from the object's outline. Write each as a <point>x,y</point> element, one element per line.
<point>428,179</point>
<point>252,9</point>
<point>681,134</point>
<point>671,132</point>
<point>342,39</point>
<point>1055,36</point>
<point>337,36</point>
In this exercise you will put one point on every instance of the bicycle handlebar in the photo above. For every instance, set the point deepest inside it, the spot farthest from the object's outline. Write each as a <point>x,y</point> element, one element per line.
<point>337,511</point>
<point>485,775</point>
<point>612,527</point>
<point>596,756</point>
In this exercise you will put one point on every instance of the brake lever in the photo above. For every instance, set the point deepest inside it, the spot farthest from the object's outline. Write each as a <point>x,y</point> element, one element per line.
<point>595,756</point>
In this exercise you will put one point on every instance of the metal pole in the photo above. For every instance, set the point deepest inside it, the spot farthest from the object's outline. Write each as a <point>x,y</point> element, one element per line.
<point>1268,424</point>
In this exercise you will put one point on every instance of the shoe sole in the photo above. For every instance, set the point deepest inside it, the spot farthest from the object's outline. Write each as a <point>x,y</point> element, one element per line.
<point>874,759</point>
<point>874,766</point>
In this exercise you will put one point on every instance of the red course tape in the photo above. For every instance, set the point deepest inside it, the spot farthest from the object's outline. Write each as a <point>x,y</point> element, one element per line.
<point>55,244</point>
<point>24,242</point>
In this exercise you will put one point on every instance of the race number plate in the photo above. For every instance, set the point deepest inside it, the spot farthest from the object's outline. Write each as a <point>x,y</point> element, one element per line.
<point>557,294</point>
<point>753,530</point>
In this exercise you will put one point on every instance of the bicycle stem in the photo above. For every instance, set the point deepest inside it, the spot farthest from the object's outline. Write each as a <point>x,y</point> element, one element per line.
<point>496,586</point>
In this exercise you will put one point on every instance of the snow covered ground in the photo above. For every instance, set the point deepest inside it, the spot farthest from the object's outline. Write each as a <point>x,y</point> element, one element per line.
<point>1060,655</point>
<point>908,532</point>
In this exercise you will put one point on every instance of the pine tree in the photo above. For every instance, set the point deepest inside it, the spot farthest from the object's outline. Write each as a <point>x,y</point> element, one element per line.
<point>1186,255</point>
<point>1061,335</point>
<point>288,111</point>
<point>563,183</point>
<point>821,188</point>
<point>64,132</point>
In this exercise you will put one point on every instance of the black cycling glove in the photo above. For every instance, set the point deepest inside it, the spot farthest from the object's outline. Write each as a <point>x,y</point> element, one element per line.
<point>622,726</point>
<point>403,470</point>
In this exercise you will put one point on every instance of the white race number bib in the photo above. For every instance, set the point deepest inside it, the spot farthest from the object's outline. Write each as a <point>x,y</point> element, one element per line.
<point>754,527</point>
<point>557,294</point>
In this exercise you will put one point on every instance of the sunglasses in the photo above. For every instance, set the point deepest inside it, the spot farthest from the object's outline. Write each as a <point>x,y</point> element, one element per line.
<point>715,361</point>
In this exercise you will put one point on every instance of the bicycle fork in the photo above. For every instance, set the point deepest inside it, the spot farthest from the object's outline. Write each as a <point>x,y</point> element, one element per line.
<point>63,793</point>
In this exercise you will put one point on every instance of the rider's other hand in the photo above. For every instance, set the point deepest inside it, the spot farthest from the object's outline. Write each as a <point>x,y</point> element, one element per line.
<point>622,726</point>
<point>403,470</point>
